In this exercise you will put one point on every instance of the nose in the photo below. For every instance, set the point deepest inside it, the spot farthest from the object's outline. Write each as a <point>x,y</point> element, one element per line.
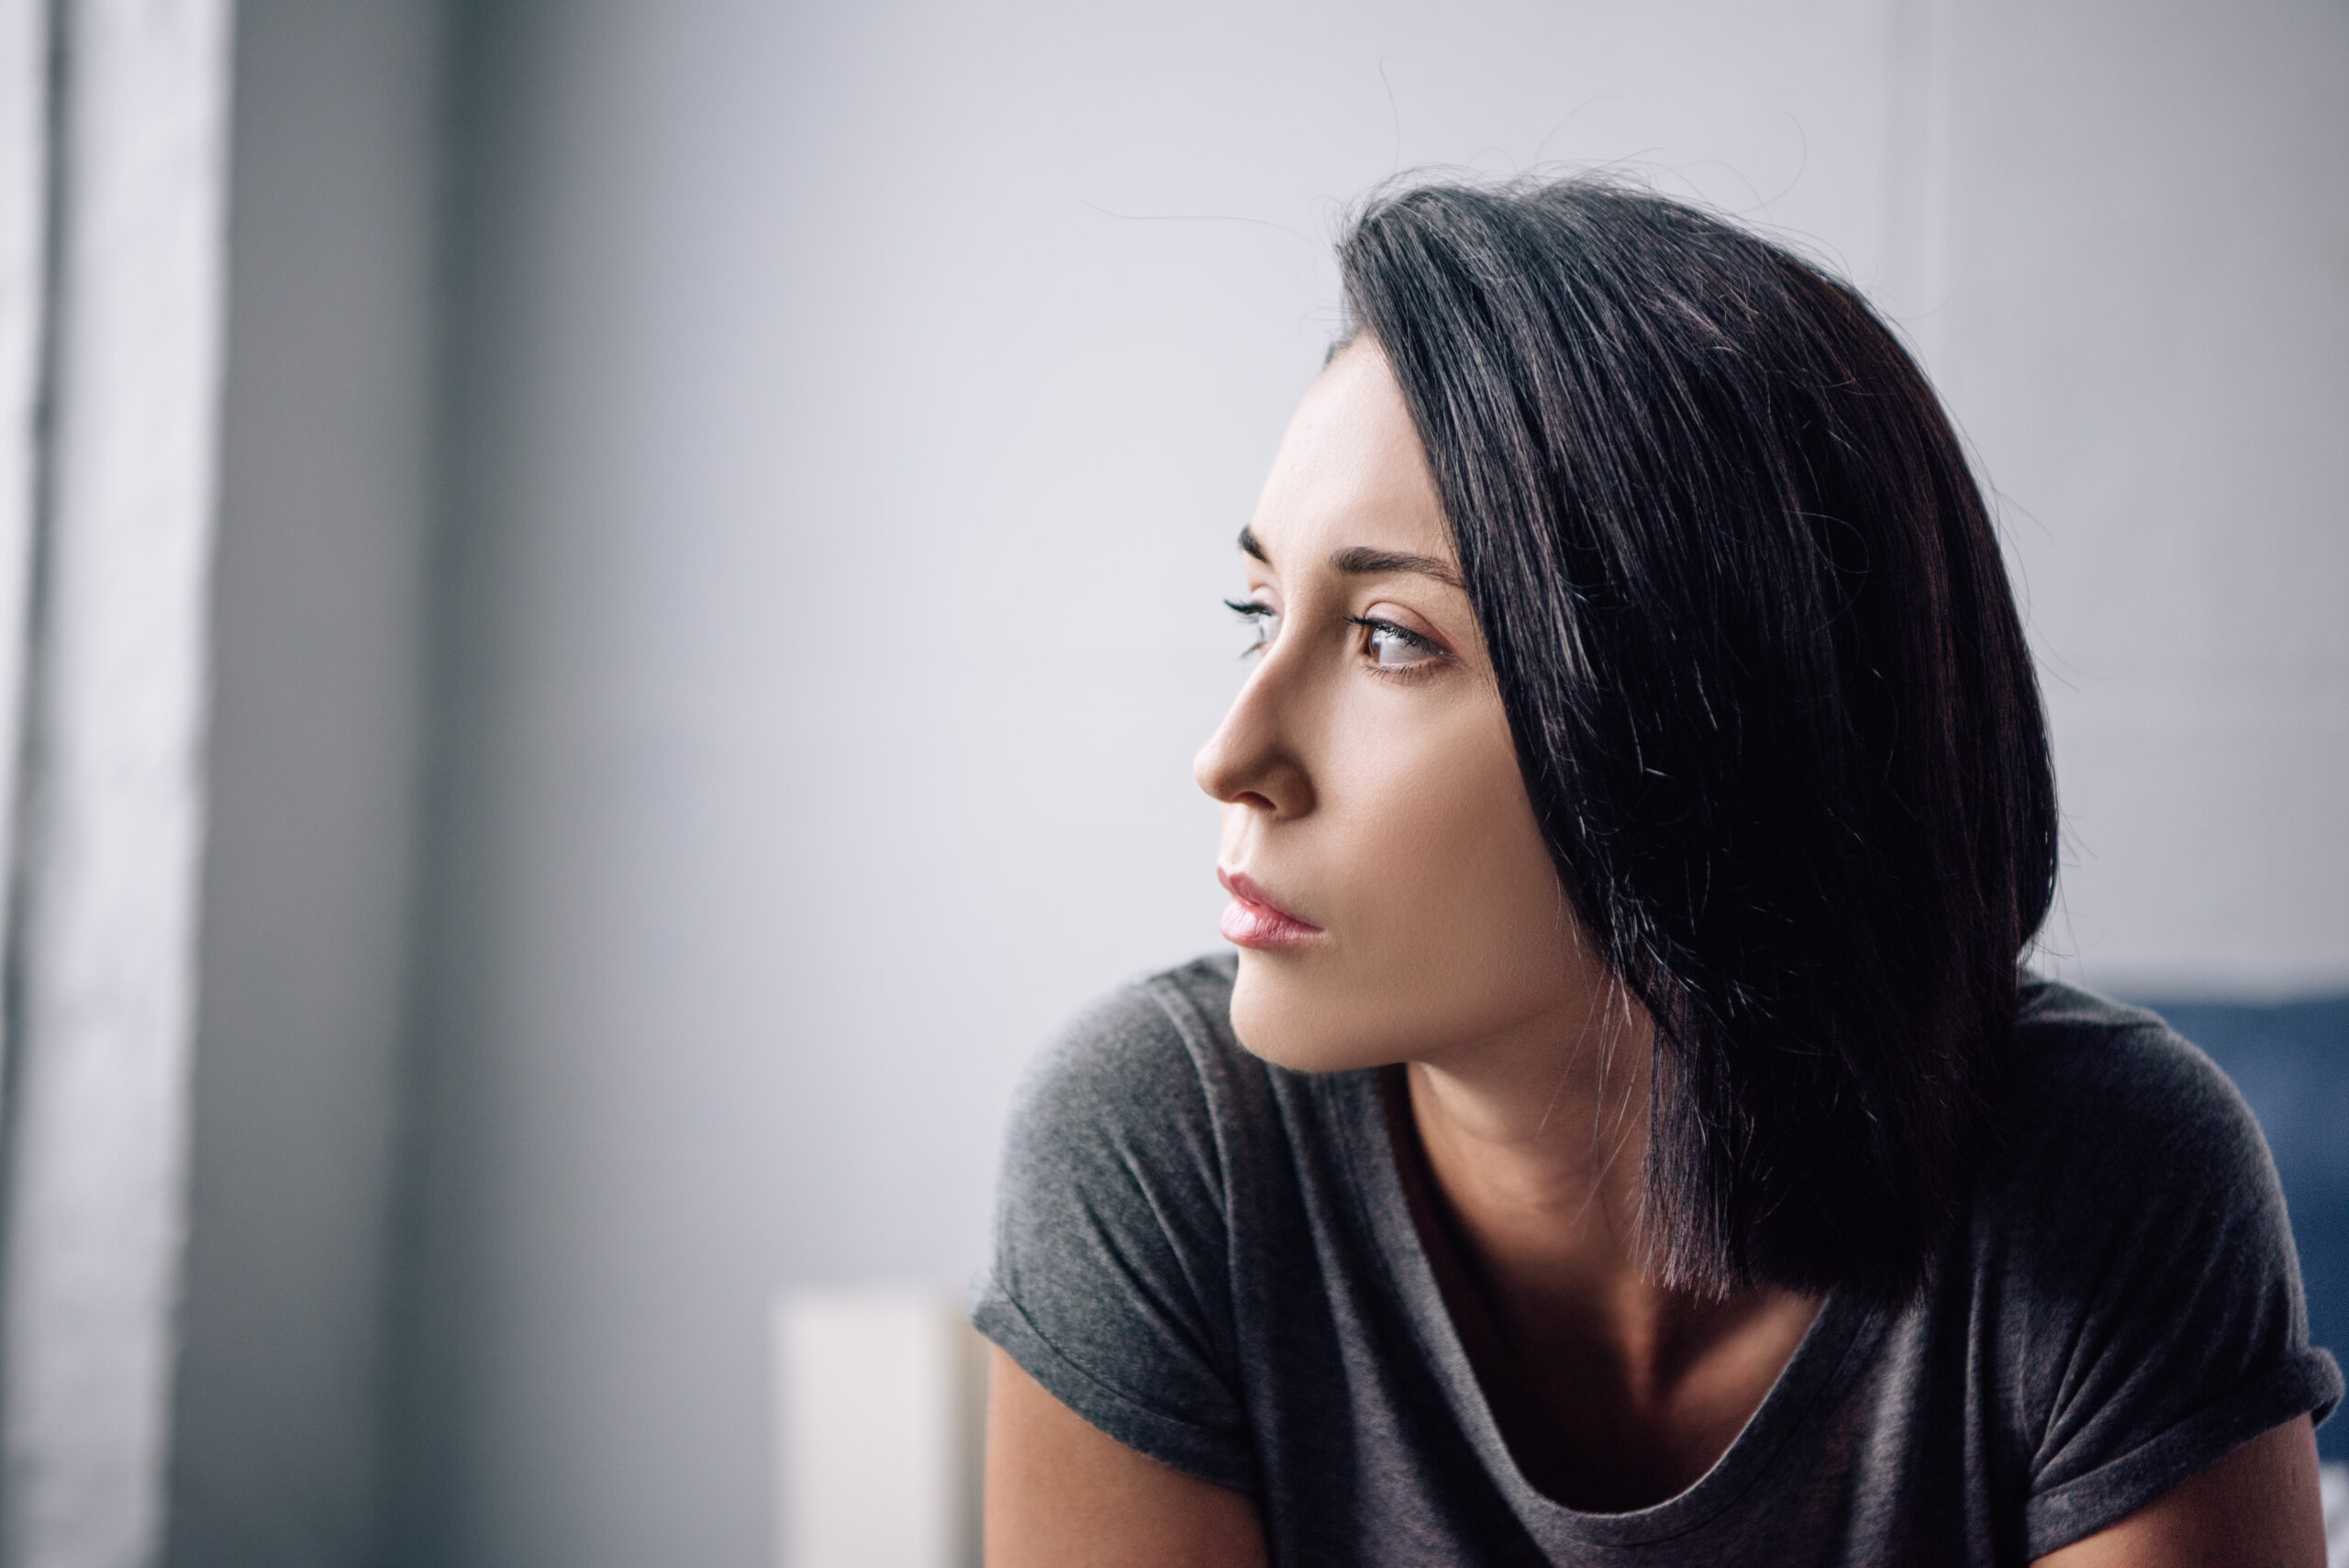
<point>1250,760</point>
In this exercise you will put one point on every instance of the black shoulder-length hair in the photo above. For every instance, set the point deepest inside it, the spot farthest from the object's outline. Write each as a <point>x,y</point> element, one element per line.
<point>1768,688</point>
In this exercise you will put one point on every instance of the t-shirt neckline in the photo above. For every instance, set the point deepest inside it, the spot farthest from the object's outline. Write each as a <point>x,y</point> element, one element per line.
<point>1844,1325</point>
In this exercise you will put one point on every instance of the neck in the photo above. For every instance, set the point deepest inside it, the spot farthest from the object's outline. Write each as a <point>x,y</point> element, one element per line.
<point>1533,1149</point>
<point>1535,1145</point>
<point>1523,1159</point>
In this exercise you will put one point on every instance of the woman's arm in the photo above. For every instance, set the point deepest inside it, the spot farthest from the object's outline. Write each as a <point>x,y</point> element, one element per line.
<point>2259,1507</point>
<point>1061,1494</point>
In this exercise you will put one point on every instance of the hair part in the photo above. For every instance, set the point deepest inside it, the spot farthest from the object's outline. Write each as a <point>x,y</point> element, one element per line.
<point>1768,688</point>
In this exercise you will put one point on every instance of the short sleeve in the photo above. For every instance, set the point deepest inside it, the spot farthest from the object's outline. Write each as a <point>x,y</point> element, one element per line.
<point>1111,1284</point>
<point>2152,1293</point>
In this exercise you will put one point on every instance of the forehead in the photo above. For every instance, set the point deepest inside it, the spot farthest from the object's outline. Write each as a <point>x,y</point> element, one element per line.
<point>1350,471</point>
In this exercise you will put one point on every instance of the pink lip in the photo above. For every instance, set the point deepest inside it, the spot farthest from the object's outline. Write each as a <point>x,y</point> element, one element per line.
<point>1252,920</point>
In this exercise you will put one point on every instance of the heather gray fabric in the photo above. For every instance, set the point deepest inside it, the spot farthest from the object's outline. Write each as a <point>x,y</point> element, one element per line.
<point>1211,1260</point>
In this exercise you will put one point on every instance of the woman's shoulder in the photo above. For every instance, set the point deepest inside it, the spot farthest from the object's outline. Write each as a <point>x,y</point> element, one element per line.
<point>2132,1256</point>
<point>2111,1123</point>
<point>1159,1039</point>
<point>1147,1077</point>
<point>2099,1083</point>
<point>1111,1279</point>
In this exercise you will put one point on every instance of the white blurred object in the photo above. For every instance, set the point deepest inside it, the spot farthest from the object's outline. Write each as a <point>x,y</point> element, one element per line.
<point>105,880</point>
<point>2333,1482</point>
<point>880,1393</point>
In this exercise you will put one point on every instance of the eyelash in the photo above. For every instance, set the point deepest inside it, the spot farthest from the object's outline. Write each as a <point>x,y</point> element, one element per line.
<point>1420,670</point>
<point>1253,610</point>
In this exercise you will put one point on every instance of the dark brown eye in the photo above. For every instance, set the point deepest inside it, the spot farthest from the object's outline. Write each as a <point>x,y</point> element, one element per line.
<point>1391,647</point>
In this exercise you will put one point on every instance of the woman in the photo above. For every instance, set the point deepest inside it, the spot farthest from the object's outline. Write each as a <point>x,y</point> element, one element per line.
<point>1625,1135</point>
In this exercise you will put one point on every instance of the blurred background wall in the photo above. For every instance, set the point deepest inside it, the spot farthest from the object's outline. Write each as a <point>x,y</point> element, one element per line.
<point>320,617</point>
<point>724,511</point>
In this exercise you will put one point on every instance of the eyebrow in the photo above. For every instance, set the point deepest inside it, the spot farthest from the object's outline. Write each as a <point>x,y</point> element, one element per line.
<point>1359,560</point>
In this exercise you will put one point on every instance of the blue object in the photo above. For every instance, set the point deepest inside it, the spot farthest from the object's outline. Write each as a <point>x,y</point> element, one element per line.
<point>2291,1062</point>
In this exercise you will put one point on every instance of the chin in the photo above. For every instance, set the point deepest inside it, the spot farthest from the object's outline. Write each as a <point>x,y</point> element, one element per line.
<point>1292,1017</point>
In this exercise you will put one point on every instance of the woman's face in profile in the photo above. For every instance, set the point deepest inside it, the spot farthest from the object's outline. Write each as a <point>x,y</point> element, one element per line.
<point>1392,895</point>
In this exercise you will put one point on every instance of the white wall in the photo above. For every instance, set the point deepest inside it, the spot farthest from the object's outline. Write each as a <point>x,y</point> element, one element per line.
<point>2148,311</point>
<point>854,407</point>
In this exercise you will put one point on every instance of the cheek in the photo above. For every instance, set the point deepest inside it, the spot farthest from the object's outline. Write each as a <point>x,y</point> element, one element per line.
<point>1447,922</point>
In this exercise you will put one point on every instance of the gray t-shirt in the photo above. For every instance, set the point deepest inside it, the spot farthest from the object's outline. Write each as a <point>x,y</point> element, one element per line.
<point>1212,1259</point>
